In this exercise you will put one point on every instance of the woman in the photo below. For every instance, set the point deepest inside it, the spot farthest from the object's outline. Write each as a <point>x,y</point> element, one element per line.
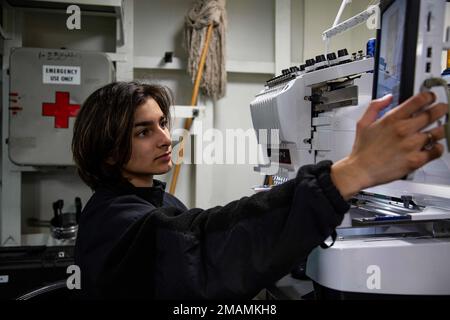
<point>137,241</point>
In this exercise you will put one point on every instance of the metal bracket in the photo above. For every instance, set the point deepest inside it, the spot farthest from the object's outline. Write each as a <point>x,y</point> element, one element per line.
<point>183,112</point>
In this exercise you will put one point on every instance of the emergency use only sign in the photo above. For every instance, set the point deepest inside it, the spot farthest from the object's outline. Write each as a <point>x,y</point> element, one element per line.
<point>61,74</point>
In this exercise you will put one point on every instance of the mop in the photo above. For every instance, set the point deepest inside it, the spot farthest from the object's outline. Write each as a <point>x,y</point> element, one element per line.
<point>205,35</point>
<point>207,14</point>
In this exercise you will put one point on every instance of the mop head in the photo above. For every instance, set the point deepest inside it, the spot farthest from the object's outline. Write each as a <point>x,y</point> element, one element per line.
<point>204,12</point>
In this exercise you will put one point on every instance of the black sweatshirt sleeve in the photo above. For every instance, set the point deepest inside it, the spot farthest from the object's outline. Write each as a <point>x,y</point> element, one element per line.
<point>228,252</point>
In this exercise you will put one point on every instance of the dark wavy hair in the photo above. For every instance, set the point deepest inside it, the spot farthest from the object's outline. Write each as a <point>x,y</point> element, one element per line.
<point>103,129</point>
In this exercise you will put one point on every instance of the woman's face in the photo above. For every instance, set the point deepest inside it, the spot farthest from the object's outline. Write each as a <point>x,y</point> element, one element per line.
<point>150,145</point>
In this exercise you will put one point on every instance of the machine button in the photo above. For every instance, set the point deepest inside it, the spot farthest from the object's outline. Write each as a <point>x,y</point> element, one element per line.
<point>342,53</point>
<point>320,58</point>
<point>331,56</point>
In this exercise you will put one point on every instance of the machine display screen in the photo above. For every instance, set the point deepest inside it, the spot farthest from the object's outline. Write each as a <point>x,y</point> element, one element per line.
<point>391,52</point>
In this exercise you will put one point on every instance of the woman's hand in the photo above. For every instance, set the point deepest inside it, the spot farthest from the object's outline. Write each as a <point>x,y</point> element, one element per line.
<point>389,148</point>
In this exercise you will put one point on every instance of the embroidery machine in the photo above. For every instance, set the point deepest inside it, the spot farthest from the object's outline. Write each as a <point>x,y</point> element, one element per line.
<point>395,240</point>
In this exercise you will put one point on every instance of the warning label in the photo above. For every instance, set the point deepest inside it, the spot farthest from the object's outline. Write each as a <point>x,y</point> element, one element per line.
<point>61,74</point>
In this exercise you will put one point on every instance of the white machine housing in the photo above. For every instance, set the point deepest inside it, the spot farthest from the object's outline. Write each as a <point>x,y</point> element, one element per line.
<point>309,136</point>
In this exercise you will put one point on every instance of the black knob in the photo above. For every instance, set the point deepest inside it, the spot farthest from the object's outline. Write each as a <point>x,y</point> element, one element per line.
<point>285,71</point>
<point>407,200</point>
<point>360,51</point>
<point>320,58</point>
<point>310,62</point>
<point>302,67</point>
<point>168,56</point>
<point>299,271</point>
<point>342,53</point>
<point>294,69</point>
<point>331,56</point>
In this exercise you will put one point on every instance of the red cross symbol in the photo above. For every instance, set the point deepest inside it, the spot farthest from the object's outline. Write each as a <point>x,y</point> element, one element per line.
<point>61,109</point>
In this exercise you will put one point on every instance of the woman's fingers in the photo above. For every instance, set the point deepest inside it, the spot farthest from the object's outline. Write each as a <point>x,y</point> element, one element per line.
<point>374,109</point>
<point>422,119</point>
<point>413,105</point>
<point>420,158</point>
<point>393,146</point>
<point>434,152</point>
<point>429,116</point>
<point>436,133</point>
<point>423,140</point>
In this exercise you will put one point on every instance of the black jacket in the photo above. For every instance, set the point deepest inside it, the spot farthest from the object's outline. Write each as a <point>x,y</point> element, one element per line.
<point>144,243</point>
